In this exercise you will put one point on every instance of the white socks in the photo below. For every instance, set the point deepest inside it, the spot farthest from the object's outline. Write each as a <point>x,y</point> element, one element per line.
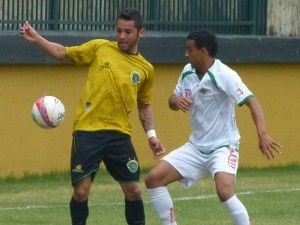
<point>237,211</point>
<point>163,205</point>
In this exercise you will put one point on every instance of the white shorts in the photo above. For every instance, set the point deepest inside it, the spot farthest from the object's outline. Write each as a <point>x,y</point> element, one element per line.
<point>194,165</point>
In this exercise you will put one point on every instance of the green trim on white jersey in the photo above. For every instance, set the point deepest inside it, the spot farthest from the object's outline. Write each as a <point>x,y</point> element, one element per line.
<point>212,114</point>
<point>212,78</point>
<point>185,74</point>
<point>245,100</point>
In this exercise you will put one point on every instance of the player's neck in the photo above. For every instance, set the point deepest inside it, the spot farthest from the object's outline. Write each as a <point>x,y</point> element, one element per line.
<point>206,64</point>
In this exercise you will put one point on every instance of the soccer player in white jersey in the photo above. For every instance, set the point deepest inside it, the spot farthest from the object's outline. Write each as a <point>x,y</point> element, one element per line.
<point>208,90</point>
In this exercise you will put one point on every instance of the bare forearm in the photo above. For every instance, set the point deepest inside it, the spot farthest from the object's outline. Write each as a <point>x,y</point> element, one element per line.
<point>266,144</point>
<point>257,116</point>
<point>146,116</point>
<point>55,50</point>
<point>172,102</point>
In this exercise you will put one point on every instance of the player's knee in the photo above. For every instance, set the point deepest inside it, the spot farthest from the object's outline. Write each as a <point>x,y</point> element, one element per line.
<point>133,192</point>
<point>225,192</point>
<point>151,181</point>
<point>80,194</point>
<point>81,189</point>
<point>148,181</point>
<point>224,186</point>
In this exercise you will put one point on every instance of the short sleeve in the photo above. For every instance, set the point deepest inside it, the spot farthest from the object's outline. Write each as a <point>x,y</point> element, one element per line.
<point>84,54</point>
<point>233,85</point>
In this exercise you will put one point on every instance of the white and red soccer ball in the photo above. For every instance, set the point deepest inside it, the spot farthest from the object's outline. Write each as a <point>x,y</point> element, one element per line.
<point>48,112</point>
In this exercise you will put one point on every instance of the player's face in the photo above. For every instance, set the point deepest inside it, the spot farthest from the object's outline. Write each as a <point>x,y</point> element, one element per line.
<point>194,54</point>
<point>128,36</point>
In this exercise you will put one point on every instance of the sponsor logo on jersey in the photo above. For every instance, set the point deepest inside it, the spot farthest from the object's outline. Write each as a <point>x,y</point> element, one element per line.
<point>203,91</point>
<point>135,77</point>
<point>106,65</point>
<point>132,165</point>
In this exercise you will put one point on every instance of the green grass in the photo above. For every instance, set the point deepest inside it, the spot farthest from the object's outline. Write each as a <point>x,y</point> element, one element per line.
<point>272,197</point>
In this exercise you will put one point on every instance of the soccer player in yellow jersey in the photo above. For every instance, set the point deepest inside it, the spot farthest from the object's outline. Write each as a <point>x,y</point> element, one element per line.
<point>119,79</point>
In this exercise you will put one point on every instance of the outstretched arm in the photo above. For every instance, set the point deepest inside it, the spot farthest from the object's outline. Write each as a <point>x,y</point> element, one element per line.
<point>55,50</point>
<point>146,118</point>
<point>266,144</point>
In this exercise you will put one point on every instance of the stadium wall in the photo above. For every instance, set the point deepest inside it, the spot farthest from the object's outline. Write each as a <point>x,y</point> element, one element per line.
<point>269,66</point>
<point>282,18</point>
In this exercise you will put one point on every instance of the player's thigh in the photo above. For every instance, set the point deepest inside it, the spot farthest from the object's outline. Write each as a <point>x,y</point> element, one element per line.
<point>87,153</point>
<point>223,166</point>
<point>190,164</point>
<point>121,160</point>
<point>162,175</point>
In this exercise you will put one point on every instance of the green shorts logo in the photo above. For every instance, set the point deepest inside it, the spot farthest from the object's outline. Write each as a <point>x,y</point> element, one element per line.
<point>132,165</point>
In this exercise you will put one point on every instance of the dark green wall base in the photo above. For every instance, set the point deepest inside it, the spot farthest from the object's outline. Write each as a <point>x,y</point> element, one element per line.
<point>159,47</point>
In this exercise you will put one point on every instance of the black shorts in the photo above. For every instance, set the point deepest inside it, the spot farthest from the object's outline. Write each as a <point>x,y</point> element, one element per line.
<point>90,148</point>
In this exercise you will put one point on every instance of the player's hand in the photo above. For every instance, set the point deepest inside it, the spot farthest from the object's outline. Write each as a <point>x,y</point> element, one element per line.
<point>268,146</point>
<point>156,146</point>
<point>28,32</point>
<point>183,103</point>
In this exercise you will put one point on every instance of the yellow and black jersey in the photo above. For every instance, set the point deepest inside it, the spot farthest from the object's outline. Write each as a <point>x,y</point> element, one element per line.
<point>116,80</point>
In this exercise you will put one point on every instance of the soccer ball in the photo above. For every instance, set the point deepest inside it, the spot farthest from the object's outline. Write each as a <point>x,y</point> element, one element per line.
<point>48,112</point>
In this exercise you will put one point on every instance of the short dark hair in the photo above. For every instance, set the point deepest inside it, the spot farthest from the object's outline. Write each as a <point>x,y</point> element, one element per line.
<point>132,14</point>
<point>205,39</point>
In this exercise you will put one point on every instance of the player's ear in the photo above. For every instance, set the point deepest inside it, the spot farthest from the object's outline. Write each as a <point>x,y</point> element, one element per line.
<point>204,51</point>
<point>141,32</point>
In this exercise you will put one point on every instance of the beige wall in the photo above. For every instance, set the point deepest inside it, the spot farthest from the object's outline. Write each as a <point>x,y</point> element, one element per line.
<point>26,148</point>
<point>283,18</point>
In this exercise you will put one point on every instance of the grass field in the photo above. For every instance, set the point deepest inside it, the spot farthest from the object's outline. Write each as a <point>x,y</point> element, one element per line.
<point>272,197</point>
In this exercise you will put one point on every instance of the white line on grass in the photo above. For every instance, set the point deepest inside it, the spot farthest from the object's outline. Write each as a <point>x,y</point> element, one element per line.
<point>27,207</point>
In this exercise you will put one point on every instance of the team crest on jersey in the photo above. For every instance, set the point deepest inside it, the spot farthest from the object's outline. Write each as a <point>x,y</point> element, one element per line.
<point>135,77</point>
<point>239,92</point>
<point>132,165</point>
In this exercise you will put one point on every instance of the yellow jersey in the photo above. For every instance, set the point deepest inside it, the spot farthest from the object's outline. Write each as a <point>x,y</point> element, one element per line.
<point>116,80</point>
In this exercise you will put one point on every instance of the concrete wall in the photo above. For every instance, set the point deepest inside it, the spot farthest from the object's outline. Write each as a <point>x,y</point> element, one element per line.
<point>26,73</point>
<point>283,18</point>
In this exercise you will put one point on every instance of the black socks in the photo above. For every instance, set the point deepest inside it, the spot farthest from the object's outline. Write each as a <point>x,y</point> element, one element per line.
<point>79,212</point>
<point>134,212</point>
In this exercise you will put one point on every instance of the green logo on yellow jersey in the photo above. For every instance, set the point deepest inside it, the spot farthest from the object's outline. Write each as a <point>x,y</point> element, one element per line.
<point>135,77</point>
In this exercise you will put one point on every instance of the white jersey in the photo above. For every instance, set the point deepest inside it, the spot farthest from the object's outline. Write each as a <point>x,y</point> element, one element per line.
<point>212,113</point>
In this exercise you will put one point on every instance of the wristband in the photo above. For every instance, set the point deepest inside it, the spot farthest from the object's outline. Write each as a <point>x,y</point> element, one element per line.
<point>151,133</point>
